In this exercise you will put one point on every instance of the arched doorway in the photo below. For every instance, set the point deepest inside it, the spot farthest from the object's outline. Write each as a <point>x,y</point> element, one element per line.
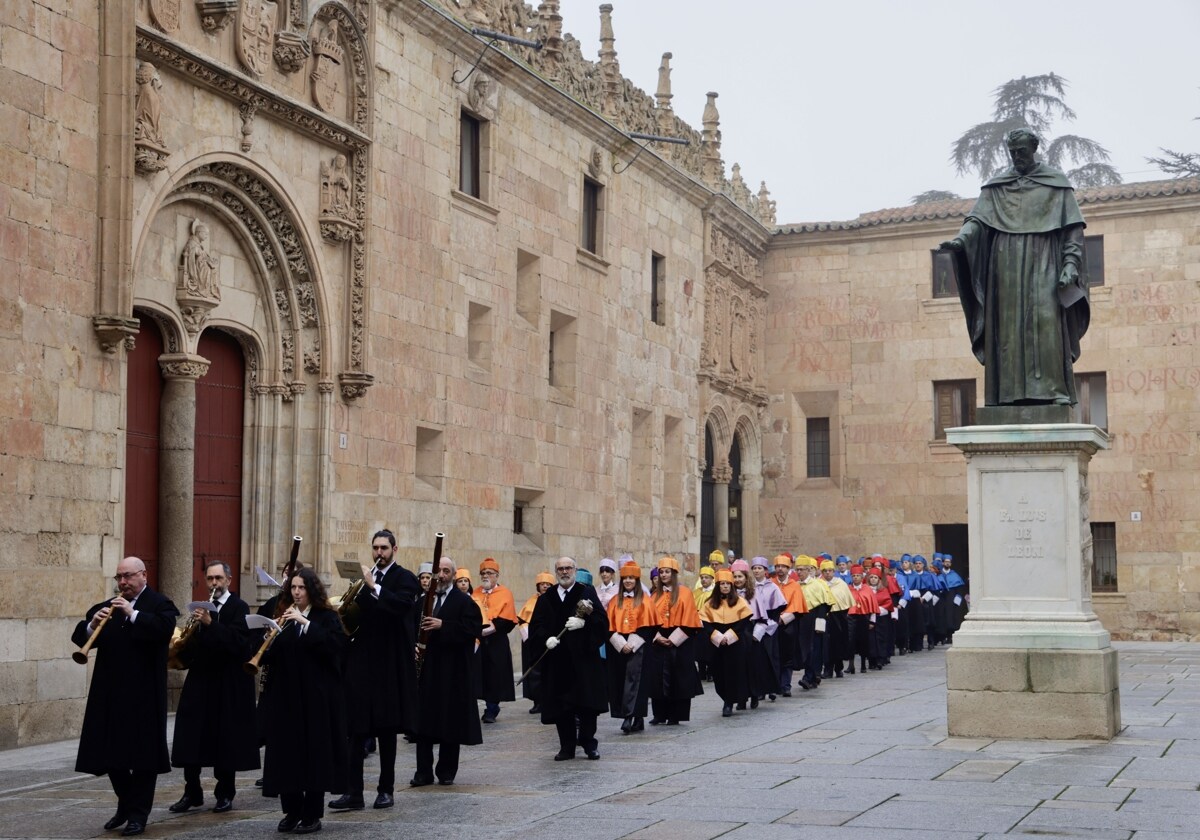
<point>220,405</point>
<point>142,419</point>
<point>735,497</point>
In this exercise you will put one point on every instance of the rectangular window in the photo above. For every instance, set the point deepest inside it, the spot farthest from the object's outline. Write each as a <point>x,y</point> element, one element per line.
<point>658,278</point>
<point>430,456</point>
<point>1093,249</point>
<point>818,447</point>
<point>593,205</point>
<point>1091,389</point>
<point>528,509</point>
<point>1104,557</point>
<point>944,283</point>
<point>469,154</point>
<point>563,343</point>
<point>953,405</point>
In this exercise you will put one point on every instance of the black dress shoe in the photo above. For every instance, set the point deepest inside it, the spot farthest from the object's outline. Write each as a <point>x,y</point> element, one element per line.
<point>564,755</point>
<point>287,824</point>
<point>420,781</point>
<point>118,820</point>
<point>849,670</point>
<point>727,711</point>
<point>258,783</point>
<point>741,707</point>
<point>627,725</point>
<point>656,722</point>
<point>445,781</point>
<point>787,692</point>
<point>186,802</point>
<point>486,718</point>
<point>754,703</point>
<point>346,802</point>
<point>133,829</point>
<point>384,800</point>
<point>307,827</point>
<point>639,725</point>
<point>593,755</point>
<point>537,708</point>
<point>222,806</point>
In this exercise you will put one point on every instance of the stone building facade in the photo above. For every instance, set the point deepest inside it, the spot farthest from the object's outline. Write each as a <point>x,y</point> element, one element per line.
<point>318,267</point>
<point>864,340</point>
<point>278,267</point>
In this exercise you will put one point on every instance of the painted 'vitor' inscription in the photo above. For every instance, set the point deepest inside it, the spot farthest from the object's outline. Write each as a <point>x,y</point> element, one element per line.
<point>1027,541</point>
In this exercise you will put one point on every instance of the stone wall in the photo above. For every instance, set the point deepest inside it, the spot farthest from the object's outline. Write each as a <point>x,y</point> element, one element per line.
<point>857,336</point>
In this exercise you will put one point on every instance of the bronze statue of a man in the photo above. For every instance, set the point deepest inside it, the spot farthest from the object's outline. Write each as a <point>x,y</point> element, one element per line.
<point>1022,280</point>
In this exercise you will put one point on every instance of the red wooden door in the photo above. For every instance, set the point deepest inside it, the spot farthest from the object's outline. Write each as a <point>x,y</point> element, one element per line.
<point>220,399</point>
<point>143,398</point>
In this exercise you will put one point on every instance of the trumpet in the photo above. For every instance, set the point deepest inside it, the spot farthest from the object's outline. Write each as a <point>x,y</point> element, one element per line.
<point>81,655</point>
<point>180,640</point>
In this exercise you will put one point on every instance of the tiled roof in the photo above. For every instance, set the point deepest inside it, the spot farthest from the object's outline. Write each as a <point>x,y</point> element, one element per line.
<point>957,209</point>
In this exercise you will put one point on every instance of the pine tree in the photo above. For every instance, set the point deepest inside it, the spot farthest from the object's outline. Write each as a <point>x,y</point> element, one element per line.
<point>1035,102</point>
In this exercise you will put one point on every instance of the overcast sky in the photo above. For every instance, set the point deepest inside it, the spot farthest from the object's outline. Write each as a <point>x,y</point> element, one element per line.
<point>848,107</point>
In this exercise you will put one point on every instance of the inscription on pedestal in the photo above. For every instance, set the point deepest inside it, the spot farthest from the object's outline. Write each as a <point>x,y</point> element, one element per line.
<point>1025,532</point>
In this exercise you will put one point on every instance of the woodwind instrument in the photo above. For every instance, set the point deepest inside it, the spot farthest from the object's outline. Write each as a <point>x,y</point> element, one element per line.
<point>430,600</point>
<point>252,667</point>
<point>81,655</point>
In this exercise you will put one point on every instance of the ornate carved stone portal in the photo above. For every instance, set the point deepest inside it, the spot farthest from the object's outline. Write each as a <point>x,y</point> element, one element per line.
<point>198,289</point>
<point>337,207</point>
<point>150,153</point>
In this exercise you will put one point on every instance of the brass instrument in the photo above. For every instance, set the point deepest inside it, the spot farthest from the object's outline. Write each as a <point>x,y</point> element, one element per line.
<point>181,638</point>
<point>430,598</point>
<point>347,610</point>
<point>81,655</point>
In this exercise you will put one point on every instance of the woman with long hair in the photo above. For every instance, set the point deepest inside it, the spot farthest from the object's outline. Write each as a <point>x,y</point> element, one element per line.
<point>670,666</point>
<point>766,605</point>
<point>632,623</point>
<point>726,619</point>
<point>306,721</point>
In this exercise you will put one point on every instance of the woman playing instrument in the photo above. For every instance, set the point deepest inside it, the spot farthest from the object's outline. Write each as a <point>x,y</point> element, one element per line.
<point>305,721</point>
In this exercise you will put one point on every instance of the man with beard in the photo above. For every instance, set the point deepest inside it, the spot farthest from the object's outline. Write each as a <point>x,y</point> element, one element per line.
<point>380,678</point>
<point>446,705</point>
<point>573,681</point>
<point>499,618</point>
<point>214,724</point>
<point>129,688</point>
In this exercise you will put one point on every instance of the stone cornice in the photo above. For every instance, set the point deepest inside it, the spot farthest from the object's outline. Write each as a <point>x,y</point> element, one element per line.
<point>747,284</point>
<point>722,385</point>
<point>154,46</point>
<point>734,219</point>
<point>455,37</point>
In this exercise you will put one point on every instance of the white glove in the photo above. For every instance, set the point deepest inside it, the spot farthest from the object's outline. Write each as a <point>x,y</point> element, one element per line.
<point>883,611</point>
<point>913,593</point>
<point>574,623</point>
<point>552,643</point>
<point>489,629</point>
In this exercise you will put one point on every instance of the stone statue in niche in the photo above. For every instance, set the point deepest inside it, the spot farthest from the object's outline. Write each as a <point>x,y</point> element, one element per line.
<point>198,289</point>
<point>738,341</point>
<point>150,153</point>
<point>256,34</point>
<point>329,55</point>
<point>337,210</point>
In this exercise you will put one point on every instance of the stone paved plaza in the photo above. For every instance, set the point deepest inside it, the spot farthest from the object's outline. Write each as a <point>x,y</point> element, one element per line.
<point>865,757</point>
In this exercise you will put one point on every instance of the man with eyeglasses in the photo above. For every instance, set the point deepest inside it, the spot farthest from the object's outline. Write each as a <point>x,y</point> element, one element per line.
<point>125,723</point>
<point>573,679</point>
<point>214,724</point>
<point>381,676</point>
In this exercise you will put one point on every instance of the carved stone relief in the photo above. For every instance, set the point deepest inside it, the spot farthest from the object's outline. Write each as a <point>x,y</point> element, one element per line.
<point>256,34</point>
<point>739,338</point>
<point>291,51</point>
<point>182,366</point>
<point>337,208</point>
<point>198,288</point>
<point>165,14</point>
<point>215,14</point>
<point>482,95</point>
<point>328,57</point>
<point>150,153</point>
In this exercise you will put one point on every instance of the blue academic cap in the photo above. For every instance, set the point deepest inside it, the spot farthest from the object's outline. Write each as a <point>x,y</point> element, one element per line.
<point>842,558</point>
<point>905,556</point>
<point>584,576</point>
<point>918,559</point>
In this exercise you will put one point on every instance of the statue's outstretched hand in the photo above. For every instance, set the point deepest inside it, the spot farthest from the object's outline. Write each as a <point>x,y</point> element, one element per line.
<point>955,244</point>
<point>1069,275</point>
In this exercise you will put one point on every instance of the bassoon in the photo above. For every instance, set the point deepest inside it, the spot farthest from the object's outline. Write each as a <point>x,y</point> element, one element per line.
<point>430,599</point>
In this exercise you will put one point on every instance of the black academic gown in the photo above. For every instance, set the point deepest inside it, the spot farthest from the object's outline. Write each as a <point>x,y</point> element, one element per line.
<point>447,710</point>
<point>730,664</point>
<point>573,678</point>
<point>495,655</point>
<point>381,675</point>
<point>214,724</point>
<point>304,718</point>
<point>125,721</point>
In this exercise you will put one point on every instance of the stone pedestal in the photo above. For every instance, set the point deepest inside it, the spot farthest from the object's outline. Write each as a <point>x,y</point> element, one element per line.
<point>1032,659</point>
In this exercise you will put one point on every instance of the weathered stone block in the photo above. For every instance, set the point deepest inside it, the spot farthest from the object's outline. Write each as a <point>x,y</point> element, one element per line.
<point>17,682</point>
<point>987,670</point>
<point>49,638</point>
<point>12,640</point>
<point>1066,672</point>
<point>59,679</point>
<point>47,721</point>
<point>1052,715</point>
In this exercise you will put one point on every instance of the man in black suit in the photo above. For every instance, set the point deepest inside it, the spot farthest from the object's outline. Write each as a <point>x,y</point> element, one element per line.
<point>214,724</point>
<point>448,714</point>
<point>129,688</point>
<point>380,677</point>
<point>573,688</point>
